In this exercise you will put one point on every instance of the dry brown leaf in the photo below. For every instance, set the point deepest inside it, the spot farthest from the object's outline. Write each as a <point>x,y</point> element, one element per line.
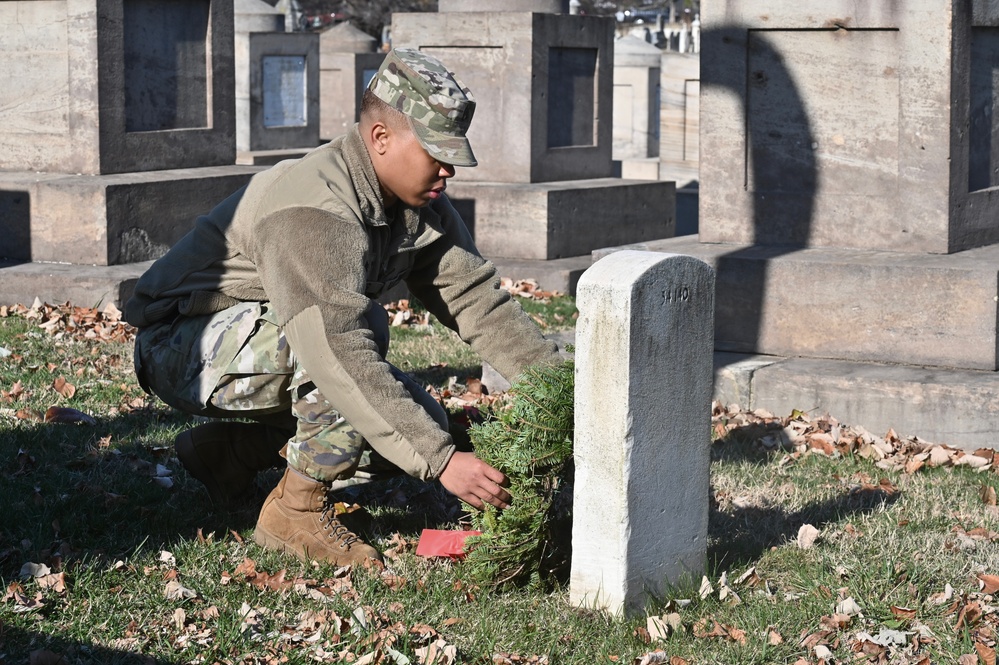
<point>437,652</point>
<point>835,621</point>
<point>773,637</point>
<point>988,495</point>
<point>176,591</point>
<point>736,634</point>
<point>939,455</point>
<point>642,633</point>
<point>661,627</point>
<point>974,461</point>
<point>903,612</point>
<point>394,582</point>
<point>807,535</point>
<point>968,659</point>
<point>986,654</point>
<point>990,583</point>
<point>54,581</point>
<point>422,633</point>
<point>64,387</point>
<point>28,414</point>
<point>67,415</point>
<point>968,614</point>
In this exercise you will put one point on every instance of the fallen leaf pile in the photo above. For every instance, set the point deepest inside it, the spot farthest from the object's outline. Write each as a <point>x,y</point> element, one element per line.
<point>800,434</point>
<point>469,395</point>
<point>65,320</point>
<point>402,313</point>
<point>904,640</point>
<point>527,288</point>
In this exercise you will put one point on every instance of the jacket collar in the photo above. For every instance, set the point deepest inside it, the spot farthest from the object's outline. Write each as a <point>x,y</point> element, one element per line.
<point>362,173</point>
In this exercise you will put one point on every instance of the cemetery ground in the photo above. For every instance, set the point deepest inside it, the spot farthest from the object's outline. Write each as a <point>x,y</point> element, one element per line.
<point>827,543</point>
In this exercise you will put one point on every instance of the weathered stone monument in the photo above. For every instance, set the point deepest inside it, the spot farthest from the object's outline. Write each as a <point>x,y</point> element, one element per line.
<point>848,199</point>
<point>542,196</point>
<point>116,130</point>
<point>347,63</point>
<point>277,86</point>
<point>679,136</point>
<point>636,107</point>
<point>643,420</point>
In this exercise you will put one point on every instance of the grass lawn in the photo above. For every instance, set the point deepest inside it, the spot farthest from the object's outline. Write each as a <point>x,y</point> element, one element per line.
<point>826,545</point>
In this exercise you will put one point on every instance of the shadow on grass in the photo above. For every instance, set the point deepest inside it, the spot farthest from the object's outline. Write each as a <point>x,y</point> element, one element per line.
<point>56,650</point>
<point>87,495</point>
<point>90,491</point>
<point>740,537</point>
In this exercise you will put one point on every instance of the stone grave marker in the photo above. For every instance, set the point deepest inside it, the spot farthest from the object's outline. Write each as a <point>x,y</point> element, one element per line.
<point>643,415</point>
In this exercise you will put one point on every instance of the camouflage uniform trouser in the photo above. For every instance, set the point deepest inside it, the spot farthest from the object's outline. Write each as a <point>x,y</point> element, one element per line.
<point>237,364</point>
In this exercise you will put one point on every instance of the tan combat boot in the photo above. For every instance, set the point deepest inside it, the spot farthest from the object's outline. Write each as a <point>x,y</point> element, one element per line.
<point>299,518</point>
<point>226,456</point>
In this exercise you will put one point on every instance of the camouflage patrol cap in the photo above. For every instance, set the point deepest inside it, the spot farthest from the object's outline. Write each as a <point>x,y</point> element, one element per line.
<point>440,107</point>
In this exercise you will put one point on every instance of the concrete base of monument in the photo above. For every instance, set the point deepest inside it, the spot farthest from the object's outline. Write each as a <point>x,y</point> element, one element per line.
<point>956,407</point>
<point>85,286</point>
<point>269,157</point>
<point>555,275</point>
<point>852,305</point>
<point>107,219</point>
<point>553,220</point>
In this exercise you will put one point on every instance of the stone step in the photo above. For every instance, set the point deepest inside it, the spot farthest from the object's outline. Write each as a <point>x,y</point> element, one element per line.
<point>21,282</point>
<point>107,219</point>
<point>957,407</point>
<point>555,275</point>
<point>862,306</point>
<point>91,286</point>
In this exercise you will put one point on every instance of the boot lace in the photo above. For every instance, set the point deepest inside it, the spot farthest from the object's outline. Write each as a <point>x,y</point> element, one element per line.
<point>335,528</point>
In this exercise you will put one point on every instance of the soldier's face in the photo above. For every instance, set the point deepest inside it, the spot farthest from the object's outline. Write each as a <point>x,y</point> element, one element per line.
<point>411,175</point>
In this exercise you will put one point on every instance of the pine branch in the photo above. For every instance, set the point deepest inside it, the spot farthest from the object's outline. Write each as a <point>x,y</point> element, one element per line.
<point>531,443</point>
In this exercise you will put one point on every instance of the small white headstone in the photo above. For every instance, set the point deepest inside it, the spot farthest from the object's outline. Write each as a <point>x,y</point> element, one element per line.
<point>644,344</point>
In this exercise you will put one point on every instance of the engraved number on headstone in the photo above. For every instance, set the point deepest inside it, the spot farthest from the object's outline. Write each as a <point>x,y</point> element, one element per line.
<point>676,294</point>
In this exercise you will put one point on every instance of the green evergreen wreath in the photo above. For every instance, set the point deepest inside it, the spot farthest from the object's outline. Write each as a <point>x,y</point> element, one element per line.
<point>531,442</point>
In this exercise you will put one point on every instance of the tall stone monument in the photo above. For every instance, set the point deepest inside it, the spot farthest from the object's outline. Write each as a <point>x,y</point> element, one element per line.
<point>542,196</point>
<point>116,130</point>
<point>347,63</point>
<point>850,202</point>
<point>277,86</point>
<point>679,135</point>
<point>636,107</point>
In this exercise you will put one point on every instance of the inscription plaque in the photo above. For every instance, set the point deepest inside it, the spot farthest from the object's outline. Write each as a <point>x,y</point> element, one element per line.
<point>284,91</point>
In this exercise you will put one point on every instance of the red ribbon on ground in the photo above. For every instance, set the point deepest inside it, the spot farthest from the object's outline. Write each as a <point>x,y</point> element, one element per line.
<point>451,544</point>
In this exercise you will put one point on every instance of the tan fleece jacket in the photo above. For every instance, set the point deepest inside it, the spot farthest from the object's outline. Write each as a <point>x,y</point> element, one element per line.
<point>312,237</point>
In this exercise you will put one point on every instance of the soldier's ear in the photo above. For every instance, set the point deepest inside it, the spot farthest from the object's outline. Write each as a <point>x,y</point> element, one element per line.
<point>379,134</point>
